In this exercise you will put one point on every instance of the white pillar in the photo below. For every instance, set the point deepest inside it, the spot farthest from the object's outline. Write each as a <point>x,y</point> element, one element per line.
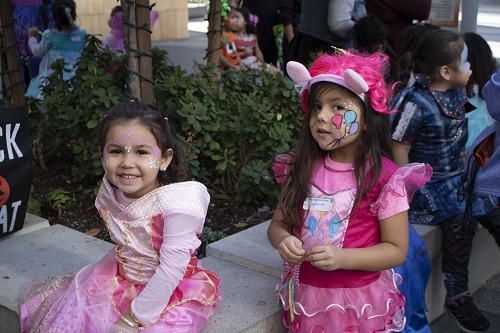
<point>469,16</point>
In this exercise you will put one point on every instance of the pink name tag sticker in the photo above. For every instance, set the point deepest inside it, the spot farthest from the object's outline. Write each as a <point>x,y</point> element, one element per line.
<point>319,204</point>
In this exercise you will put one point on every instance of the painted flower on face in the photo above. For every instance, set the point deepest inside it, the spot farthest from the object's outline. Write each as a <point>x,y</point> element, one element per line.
<point>154,163</point>
<point>156,152</point>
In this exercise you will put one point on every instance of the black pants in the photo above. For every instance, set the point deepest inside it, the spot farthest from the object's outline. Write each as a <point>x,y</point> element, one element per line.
<point>457,245</point>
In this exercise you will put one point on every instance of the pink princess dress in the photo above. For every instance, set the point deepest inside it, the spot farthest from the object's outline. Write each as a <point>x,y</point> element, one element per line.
<point>346,301</point>
<point>153,269</point>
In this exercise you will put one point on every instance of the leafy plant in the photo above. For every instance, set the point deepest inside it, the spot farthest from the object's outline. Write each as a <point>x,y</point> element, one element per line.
<point>69,113</point>
<point>34,206</point>
<point>233,127</point>
<point>59,199</point>
<point>232,123</point>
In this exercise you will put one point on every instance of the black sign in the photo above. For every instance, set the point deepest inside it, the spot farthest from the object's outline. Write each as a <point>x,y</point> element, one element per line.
<point>16,168</point>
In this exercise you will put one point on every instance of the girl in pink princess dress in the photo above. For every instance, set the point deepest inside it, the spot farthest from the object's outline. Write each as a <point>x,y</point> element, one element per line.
<point>341,223</point>
<point>152,280</point>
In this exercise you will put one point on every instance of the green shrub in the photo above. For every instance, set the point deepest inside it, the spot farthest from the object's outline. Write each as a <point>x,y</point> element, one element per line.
<point>69,113</point>
<point>233,124</point>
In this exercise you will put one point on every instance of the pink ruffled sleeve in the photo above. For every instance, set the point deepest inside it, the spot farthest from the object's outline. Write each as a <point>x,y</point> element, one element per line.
<point>399,189</point>
<point>282,166</point>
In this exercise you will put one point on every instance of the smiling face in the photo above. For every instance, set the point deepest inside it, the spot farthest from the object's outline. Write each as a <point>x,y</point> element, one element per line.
<point>132,159</point>
<point>336,121</point>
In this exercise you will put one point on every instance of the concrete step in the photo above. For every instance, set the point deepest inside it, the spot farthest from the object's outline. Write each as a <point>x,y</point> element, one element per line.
<point>248,302</point>
<point>49,251</point>
<point>31,223</point>
<point>247,264</point>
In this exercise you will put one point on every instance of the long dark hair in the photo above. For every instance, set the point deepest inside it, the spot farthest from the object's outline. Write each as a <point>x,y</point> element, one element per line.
<point>435,49</point>
<point>375,143</point>
<point>482,62</point>
<point>152,118</point>
<point>62,18</point>
<point>251,29</point>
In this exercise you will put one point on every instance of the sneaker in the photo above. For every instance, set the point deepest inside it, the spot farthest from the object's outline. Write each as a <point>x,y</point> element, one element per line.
<point>466,315</point>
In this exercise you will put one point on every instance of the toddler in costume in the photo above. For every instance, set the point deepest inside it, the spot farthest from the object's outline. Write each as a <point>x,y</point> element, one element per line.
<point>65,42</point>
<point>229,57</point>
<point>243,24</point>
<point>152,280</point>
<point>341,223</point>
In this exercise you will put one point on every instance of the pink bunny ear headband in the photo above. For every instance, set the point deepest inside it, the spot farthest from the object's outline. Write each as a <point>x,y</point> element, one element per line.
<point>303,80</point>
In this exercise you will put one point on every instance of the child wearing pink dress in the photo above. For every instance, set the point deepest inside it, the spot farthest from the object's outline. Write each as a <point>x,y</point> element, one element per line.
<point>341,223</point>
<point>151,281</point>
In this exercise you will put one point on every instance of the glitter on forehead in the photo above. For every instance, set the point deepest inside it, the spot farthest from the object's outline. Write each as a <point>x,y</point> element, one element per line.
<point>128,134</point>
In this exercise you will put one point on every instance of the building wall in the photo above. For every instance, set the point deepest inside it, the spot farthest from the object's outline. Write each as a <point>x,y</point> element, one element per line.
<point>172,23</point>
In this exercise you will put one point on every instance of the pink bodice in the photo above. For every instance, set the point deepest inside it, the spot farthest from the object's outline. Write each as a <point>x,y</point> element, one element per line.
<point>138,228</point>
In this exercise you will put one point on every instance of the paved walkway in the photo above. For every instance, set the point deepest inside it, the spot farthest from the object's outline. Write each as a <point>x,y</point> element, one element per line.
<point>184,52</point>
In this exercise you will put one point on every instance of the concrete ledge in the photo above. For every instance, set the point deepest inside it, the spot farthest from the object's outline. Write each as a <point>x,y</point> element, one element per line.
<point>51,251</point>
<point>248,305</point>
<point>249,248</point>
<point>248,300</point>
<point>31,223</point>
<point>247,264</point>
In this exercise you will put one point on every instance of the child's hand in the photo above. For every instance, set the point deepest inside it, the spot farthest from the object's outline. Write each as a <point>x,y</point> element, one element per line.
<point>290,250</point>
<point>325,257</point>
<point>32,32</point>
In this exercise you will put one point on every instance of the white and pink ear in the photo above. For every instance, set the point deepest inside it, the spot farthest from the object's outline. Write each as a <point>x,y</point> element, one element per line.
<point>355,82</point>
<point>298,72</point>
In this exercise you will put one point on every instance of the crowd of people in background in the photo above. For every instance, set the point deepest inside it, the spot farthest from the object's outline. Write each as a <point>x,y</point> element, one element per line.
<point>441,104</point>
<point>438,77</point>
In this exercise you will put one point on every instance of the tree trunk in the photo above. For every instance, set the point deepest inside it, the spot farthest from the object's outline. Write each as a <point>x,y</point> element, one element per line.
<point>214,28</point>
<point>13,83</point>
<point>130,49</point>
<point>142,15</point>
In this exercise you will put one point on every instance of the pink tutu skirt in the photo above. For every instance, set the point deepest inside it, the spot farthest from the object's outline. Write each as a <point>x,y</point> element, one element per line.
<point>375,307</point>
<point>93,299</point>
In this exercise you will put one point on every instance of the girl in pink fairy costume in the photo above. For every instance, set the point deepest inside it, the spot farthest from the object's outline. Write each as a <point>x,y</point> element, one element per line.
<point>152,280</point>
<point>341,223</point>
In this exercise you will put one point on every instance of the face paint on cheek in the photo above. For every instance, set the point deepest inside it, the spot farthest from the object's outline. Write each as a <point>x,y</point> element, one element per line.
<point>154,163</point>
<point>464,64</point>
<point>337,120</point>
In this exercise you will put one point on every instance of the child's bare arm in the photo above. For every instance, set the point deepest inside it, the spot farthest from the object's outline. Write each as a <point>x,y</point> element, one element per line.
<point>400,151</point>
<point>288,245</point>
<point>258,52</point>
